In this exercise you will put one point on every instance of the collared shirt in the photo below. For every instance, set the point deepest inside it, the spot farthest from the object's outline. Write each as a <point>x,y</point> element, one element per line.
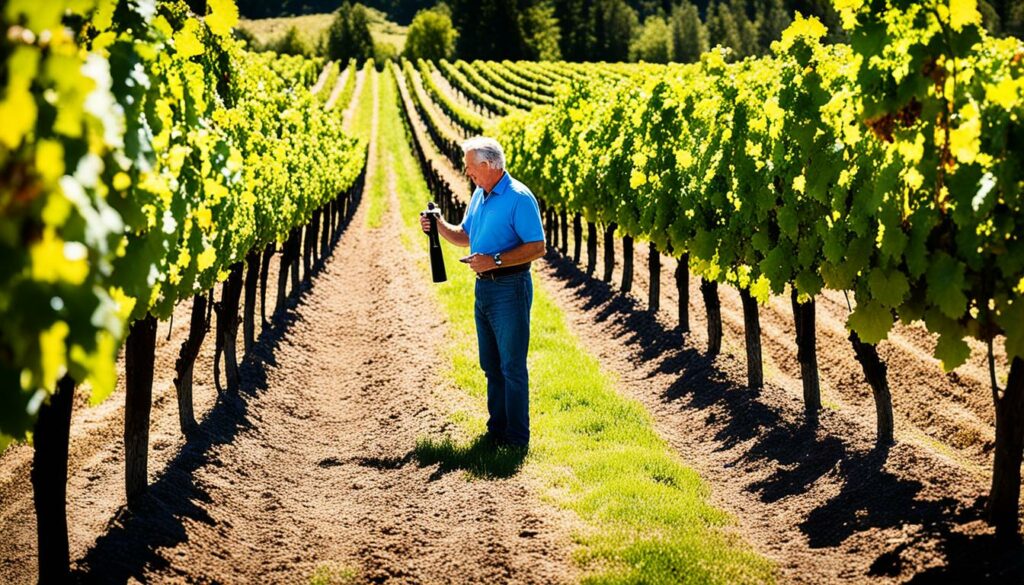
<point>502,219</point>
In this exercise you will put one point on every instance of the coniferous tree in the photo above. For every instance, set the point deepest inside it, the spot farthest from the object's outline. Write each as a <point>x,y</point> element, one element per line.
<point>689,35</point>
<point>772,19</point>
<point>490,29</point>
<point>990,18</point>
<point>1003,17</point>
<point>574,21</point>
<point>1013,22</point>
<point>749,44</point>
<point>291,43</point>
<point>542,32</point>
<point>614,23</point>
<point>723,29</point>
<point>648,8</point>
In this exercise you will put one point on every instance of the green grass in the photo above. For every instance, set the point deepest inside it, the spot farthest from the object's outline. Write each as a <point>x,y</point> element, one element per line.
<point>646,515</point>
<point>312,27</point>
<point>377,198</point>
<point>361,124</point>
<point>327,575</point>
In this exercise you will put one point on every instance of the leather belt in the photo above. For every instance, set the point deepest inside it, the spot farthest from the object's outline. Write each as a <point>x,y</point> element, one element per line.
<point>503,271</point>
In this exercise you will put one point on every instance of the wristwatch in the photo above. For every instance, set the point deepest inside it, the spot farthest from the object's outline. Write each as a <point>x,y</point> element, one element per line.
<point>497,259</point>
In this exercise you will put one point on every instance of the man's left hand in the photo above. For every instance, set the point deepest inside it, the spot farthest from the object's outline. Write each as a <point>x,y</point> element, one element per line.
<point>481,263</point>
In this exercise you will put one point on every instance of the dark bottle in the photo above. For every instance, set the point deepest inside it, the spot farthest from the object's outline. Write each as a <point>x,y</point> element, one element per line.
<point>436,258</point>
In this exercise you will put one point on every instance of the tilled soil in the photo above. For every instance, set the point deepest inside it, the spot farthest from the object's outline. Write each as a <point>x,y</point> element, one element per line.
<point>953,412</point>
<point>823,502</point>
<point>449,173</point>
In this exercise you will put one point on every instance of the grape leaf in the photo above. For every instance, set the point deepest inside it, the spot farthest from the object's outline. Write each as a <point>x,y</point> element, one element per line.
<point>888,287</point>
<point>1011,319</point>
<point>952,350</point>
<point>870,321</point>
<point>946,284</point>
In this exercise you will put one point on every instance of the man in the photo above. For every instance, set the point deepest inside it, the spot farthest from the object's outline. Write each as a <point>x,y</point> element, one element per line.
<point>503,230</point>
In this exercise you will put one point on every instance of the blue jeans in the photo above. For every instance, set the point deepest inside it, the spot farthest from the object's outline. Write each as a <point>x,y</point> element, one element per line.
<point>503,334</point>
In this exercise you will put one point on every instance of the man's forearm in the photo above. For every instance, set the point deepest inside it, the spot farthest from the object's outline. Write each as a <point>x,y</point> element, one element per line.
<point>522,254</point>
<point>453,233</point>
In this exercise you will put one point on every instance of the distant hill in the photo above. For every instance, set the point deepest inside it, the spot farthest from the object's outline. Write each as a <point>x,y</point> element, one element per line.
<point>399,11</point>
<point>311,28</point>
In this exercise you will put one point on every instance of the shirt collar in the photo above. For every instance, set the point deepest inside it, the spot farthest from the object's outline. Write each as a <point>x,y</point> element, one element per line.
<point>500,186</point>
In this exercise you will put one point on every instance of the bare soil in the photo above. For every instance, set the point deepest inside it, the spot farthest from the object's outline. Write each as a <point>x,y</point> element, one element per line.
<point>311,467</point>
<point>950,413</point>
<point>823,501</point>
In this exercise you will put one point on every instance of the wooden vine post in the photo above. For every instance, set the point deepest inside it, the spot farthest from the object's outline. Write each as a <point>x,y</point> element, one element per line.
<point>50,480</point>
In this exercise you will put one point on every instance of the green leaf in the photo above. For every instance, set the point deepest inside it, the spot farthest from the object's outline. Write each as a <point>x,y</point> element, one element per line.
<point>704,244</point>
<point>761,242</point>
<point>789,222</point>
<point>808,250</point>
<point>1011,319</point>
<point>946,285</point>
<point>760,290</point>
<point>894,240</point>
<point>888,287</point>
<point>916,252</point>
<point>808,283</point>
<point>952,350</point>
<point>835,245</point>
<point>870,321</point>
<point>834,277</point>
<point>776,267</point>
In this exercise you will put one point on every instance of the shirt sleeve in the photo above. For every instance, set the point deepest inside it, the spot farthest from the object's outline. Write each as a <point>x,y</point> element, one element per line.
<point>466,217</point>
<point>526,219</point>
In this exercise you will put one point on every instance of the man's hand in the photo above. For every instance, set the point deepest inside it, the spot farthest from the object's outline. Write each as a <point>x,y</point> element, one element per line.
<point>425,223</point>
<point>480,262</point>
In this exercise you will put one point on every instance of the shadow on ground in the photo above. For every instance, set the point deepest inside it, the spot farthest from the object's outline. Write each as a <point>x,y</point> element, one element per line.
<point>768,429</point>
<point>478,457</point>
<point>157,519</point>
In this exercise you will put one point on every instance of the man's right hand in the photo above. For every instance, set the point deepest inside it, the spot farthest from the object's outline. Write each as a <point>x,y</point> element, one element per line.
<point>425,223</point>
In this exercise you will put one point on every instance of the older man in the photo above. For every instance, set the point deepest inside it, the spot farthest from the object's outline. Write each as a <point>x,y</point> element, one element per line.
<point>503,230</point>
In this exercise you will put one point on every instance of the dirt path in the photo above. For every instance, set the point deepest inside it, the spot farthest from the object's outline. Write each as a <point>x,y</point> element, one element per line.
<point>824,503</point>
<point>448,172</point>
<point>339,87</point>
<point>321,80</point>
<point>950,412</point>
<point>456,95</point>
<point>447,126</point>
<point>348,114</point>
<point>311,468</point>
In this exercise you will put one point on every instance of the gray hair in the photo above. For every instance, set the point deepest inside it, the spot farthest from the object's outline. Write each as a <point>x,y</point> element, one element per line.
<point>487,151</point>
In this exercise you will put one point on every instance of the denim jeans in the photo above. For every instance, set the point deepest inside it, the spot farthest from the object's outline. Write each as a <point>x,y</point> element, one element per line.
<point>503,334</point>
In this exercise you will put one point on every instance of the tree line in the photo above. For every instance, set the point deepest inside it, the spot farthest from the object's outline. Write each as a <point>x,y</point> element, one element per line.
<point>657,31</point>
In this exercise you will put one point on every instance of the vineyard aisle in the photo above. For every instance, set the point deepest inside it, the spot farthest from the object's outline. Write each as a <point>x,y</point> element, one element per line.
<point>309,474</point>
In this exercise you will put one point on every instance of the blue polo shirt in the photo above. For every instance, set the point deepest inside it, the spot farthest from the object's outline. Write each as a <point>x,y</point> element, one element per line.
<point>502,219</point>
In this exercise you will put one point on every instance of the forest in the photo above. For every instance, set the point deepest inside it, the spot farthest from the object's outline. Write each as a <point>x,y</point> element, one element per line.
<point>618,30</point>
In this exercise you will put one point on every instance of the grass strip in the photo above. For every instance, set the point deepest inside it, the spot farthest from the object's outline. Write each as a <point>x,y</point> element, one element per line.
<point>646,515</point>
